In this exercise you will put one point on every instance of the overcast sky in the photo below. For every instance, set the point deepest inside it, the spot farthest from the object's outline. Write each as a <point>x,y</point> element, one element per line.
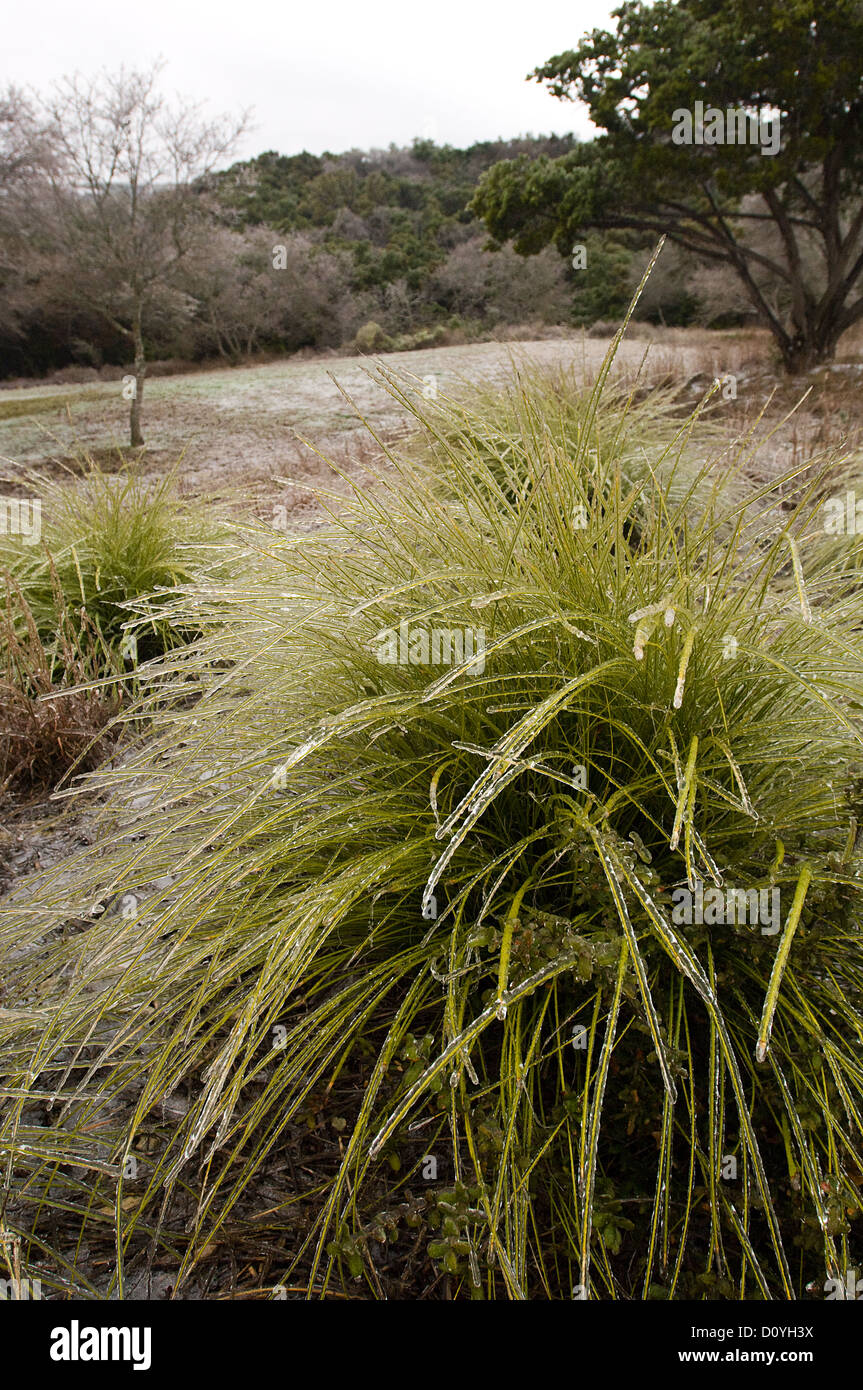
<point>324,74</point>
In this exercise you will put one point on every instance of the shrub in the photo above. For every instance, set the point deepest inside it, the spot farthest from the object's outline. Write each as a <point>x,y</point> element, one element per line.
<point>601,328</point>
<point>371,338</point>
<point>423,338</point>
<point>87,605</point>
<point>110,541</point>
<point>504,428</point>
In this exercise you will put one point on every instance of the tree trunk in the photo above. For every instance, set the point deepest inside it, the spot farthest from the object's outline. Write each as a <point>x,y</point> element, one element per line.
<point>137,439</point>
<point>809,348</point>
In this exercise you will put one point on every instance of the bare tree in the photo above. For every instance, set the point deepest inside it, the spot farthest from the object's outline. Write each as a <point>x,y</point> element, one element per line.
<point>235,290</point>
<point>127,197</point>
<point>24,157</point>
<point>501,286</point>
<point>24,147</point>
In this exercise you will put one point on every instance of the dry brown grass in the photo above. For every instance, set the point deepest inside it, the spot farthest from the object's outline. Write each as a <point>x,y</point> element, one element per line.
<point>47,727</point>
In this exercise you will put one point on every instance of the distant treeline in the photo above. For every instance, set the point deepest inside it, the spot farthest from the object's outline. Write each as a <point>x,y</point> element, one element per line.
<point>379,251</point>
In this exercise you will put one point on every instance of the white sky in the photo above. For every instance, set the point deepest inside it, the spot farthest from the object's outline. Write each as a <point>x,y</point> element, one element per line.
<point>323,74</point>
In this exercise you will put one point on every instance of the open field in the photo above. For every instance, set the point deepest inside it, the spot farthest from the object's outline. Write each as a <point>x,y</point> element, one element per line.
<point>239,429</point>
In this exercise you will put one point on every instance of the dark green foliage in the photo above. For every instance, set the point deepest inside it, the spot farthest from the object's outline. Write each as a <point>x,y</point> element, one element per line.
<point>787,222</point>
<point>398,211</point>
